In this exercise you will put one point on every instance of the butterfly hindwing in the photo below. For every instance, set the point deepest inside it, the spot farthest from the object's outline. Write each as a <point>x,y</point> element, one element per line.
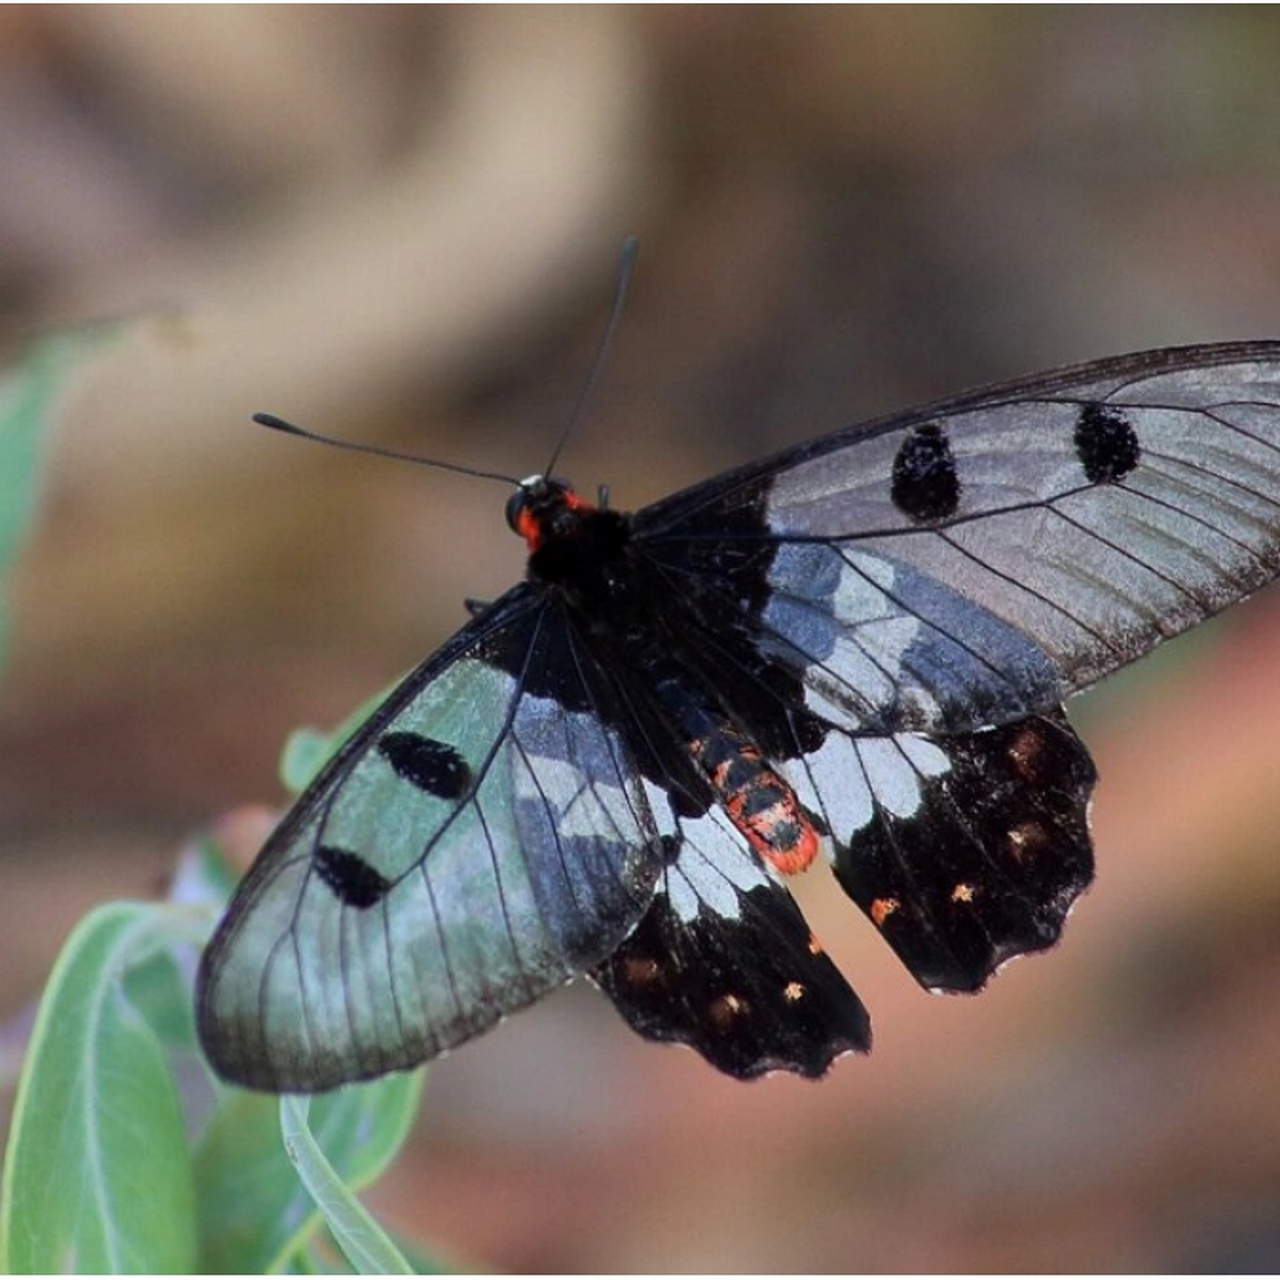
<point>724,962</point>
<point>975,561</point>
<point>481,840</point>
<point>965,850</point>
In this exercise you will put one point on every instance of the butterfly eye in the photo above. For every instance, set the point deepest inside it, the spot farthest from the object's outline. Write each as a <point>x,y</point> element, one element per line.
<point>539,494</point>
<point>515,505</point>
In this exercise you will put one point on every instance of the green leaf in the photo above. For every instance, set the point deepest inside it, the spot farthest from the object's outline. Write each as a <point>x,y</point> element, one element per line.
<point>363,1242</point>
<point>96,1174</point>
<point>159,989</point>
<point>255,1214</point>
<point>100,1173</point>
<point>28,395</point>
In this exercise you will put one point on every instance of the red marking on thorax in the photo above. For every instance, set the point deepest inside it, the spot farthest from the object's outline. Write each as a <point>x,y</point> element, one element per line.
<point>529,527</point>
<point>533,527</point>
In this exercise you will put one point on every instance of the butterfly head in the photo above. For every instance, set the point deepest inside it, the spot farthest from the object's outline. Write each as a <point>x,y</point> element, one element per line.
<point>544,508</point>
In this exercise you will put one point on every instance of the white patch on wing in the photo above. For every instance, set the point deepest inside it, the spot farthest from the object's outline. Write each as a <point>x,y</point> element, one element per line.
<point>828,700</point>
<point>854,674</point>
<point>876,631</point>
<point>599,809</point>
<point>664,817</point>
<point>927,756</point>
<point>714,865</point>
<point>860,589</point>
<point>866,570</point>
<point>831,782</point>
<point>894,767</point>
<point>892,779</point>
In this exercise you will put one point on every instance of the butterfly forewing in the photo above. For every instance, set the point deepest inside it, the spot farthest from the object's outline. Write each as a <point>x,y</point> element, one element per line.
<point>976,561</point>
<point>478,842</point>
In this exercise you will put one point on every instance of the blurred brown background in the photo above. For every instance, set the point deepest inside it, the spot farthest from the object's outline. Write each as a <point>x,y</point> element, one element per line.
<point>401,225</point>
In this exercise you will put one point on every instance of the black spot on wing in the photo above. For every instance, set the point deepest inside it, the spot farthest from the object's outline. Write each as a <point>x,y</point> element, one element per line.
<point>926,485</point>
<point>752,994</point>
<point>353,881</point>
<point>1106,444</point>
<point>429,764</point>
<point>988,866</point>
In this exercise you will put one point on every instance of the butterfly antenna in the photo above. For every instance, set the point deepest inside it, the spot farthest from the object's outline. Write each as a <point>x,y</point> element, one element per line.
<point>626,265</point>
<point>279,424</point>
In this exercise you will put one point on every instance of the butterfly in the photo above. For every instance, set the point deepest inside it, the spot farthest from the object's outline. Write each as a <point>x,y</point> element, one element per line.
<point>854,651</point>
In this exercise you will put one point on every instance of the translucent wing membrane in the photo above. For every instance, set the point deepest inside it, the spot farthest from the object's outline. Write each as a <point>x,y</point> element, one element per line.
<point>975,561</point>
<point>478,843</point>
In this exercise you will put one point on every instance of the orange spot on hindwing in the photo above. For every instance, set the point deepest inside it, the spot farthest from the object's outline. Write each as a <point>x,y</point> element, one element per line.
<point>881,909</point>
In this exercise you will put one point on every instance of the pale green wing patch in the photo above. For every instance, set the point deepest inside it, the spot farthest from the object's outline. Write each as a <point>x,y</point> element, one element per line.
<point>482,839</point>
